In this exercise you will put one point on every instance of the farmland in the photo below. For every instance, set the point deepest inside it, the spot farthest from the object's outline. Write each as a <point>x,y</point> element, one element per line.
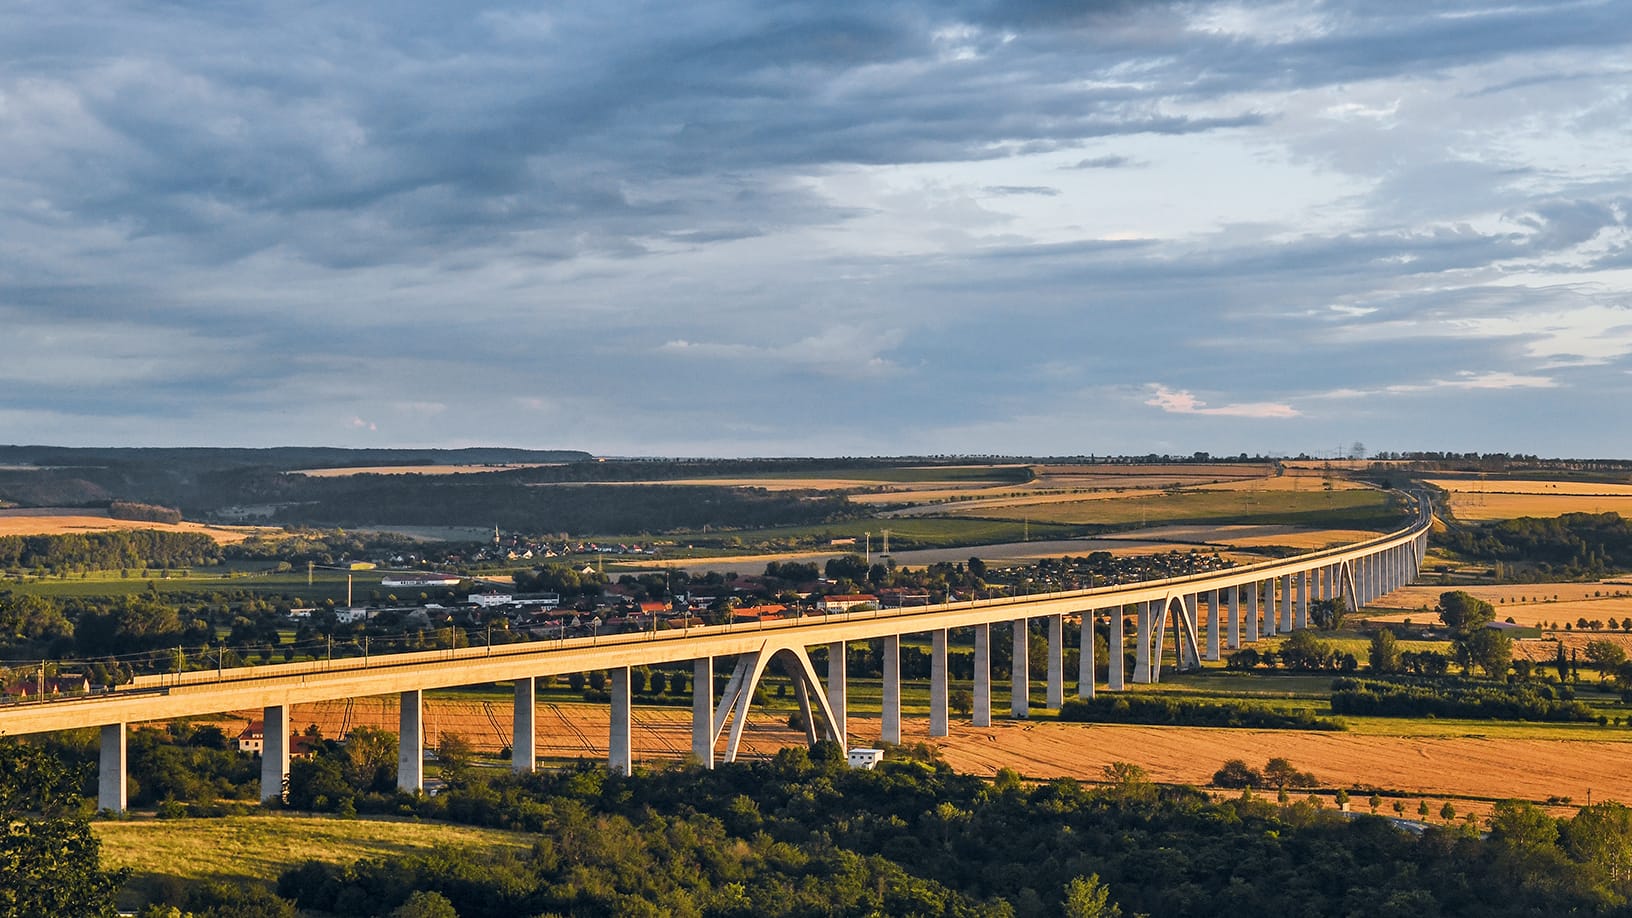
<point>54,521</point>
<point>1314,508</point>
<point>418,469</point>
<point>1478,500</point>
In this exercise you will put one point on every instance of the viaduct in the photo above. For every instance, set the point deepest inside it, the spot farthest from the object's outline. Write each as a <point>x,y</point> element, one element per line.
<point>1203,614</point>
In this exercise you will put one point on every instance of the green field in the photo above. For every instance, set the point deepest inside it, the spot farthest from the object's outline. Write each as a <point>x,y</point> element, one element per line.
<point>240,849</point>
<point>252,578</point>
<point>899,474</point>
<point>1359,508</point>
<point>908,533</point>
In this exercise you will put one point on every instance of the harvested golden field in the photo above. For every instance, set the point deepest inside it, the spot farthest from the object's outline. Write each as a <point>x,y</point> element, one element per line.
<point>1120,472</point>
<point>1492,766</point>
<point>565,731</point>
<point>76,521</point>
<point>1472,766</point>
<point>1544,650</point>
<point>1544,488</point>
<point>1530,604</point>
<point>1475,500</point>
<point>419,469</point>
<point>1286,483</point>
<point>1308,539</point>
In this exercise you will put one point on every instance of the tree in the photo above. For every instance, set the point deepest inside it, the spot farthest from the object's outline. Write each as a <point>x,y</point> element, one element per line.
<point>1462,612</point>
<point>454,753</point>
<point>1447,812</point>
<point>1605,656</point>
<point>1302,650</point>
<point>1280,773</point>
<point>1384,654</point>
<point>1329,614</point>
<point>1522,828</point>
<point>1601,836</point>
<point>1086,897</point>
<point>425,905</point>
<point>371,758</point>
<point>1236,773</point>
<point>31,618</point>
<point>1129,781</point>
<point>1490,649</point>
<point>847,567</point>
<point>960,701</point>
<point>50,863</point>
<point>1375,803</point>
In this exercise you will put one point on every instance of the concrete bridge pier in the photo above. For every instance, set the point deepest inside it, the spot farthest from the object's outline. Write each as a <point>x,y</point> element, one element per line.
<point>1144,612</point>
<point>982,716</point>
<point>1269,608</point>
<point>892,689</point>
<point>274,751</point>
<point>838,694</point>
<point>411,742</point>
<point>619,749</point>
<point>1085,657</point>
<point>110,780</point>
<point>1286,602</point>
<point>1252,590</point>
<point>1301,619</point>
<point>1215,623</point>
<point>702,710</point>
<point>1232,634</point>
<point>1020,672</point>
<point>938,721</point>
<point>1118,651</point>
<point>1056,662</point>
<point>524,726</point>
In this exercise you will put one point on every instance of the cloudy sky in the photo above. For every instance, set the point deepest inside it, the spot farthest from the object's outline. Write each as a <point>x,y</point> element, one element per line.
<point>821,228</point>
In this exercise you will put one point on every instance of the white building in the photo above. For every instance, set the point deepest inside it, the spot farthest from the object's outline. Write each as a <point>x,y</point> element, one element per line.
<point>866,758</point>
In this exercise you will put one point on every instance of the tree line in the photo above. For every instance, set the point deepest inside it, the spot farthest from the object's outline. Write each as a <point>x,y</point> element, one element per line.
<point>1572,545</point>
<point>132,548</point>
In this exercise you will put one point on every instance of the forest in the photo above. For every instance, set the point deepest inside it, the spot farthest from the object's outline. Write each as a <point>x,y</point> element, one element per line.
<point>126,548</point>
<point>803,834</point>
<point>1573,545</point>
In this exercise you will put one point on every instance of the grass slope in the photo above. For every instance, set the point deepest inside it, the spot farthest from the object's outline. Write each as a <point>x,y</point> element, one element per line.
<point>246,849</point>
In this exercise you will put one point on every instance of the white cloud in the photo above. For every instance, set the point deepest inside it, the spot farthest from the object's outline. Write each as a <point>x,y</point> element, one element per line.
<point>1182,402</point>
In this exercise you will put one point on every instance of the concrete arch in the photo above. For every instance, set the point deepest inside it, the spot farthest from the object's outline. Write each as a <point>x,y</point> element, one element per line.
<point>739,695</point>
<point>1186,643</point>
<point>1346,587</point>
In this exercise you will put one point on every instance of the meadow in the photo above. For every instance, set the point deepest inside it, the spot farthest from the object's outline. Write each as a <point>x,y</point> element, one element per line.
<point>257,848</point>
